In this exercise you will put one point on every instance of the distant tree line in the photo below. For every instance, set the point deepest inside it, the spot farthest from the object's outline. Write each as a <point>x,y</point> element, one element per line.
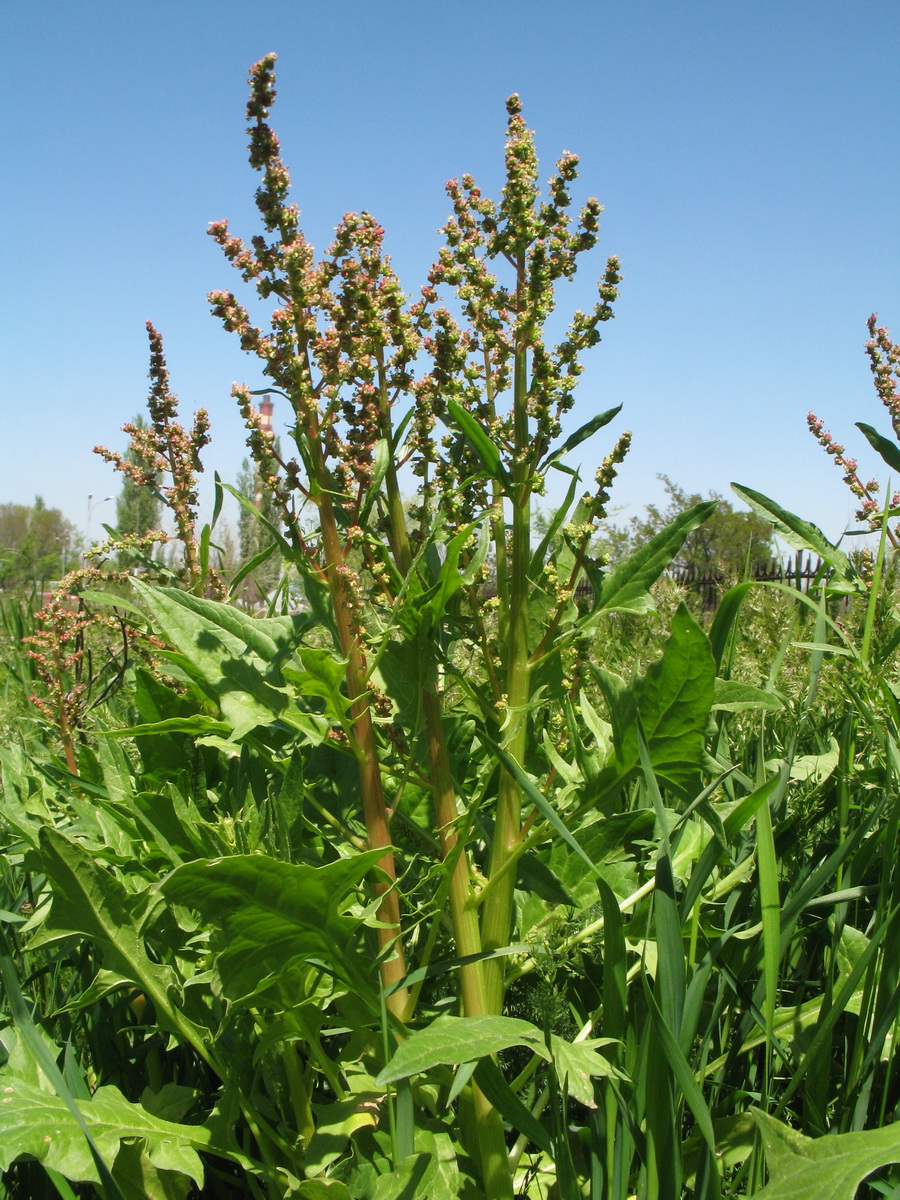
<point>37,544</point>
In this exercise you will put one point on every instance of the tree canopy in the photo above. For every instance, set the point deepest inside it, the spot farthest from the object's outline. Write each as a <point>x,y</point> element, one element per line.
<point>36,544</point>
<point>726,544</point>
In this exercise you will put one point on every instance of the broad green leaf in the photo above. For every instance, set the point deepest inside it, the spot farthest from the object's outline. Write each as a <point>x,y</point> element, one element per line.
<point>578,1064</point>
<point>431,1172</point>
<point>270,915</point>
<point>604,841</point>
<point>268,637</point>
<point>320,674</point>
<point>812,768</point>
<point>800,534</point>
<point>884,446</point>
<point>731,696</point>
<point>321,1189</point>
<point>139,1179</point>
<point>824,1168</point>
<point>109,600</point>
<point>90,901</point>
<point>36,1121</point>
<point>451,1040</point>
<point>627,589</point>
<point>31,1059</point>
<point>335,1125</point>
<point>220,653</point>
<point>673,701</point>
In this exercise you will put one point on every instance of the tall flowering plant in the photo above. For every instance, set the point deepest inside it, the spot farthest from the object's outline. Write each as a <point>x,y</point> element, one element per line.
<point>165,451</point>
<point>449,690</point>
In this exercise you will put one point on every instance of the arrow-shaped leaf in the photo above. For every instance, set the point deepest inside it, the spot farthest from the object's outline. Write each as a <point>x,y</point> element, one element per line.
<point>824,1168</point>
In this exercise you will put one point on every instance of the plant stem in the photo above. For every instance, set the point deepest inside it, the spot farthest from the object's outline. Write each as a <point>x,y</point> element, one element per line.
<point>497,911</point>
<point>393,967</point>
<point>491,1148</point>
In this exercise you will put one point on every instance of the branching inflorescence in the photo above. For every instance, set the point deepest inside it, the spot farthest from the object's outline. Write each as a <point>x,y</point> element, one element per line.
<point>884,362</point>
<point>165,448</point>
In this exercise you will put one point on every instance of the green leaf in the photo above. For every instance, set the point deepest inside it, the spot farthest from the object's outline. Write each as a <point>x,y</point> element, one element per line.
<point>335,1125</point>
<point>482,443</point>
<point>800,534</point>
<point>725,620</point>
<point>451,1040</point>
<point>673,701</point>
<point>321,1189</point>
<point>90,901</point>
<point>816,767</point>
<point>30,1057</point>
<point>588,429</point>
<point>628,588</point>
<point>578,1064</point>
<point>250,566</point>
<point>248,506</point>
<point>381,460</point>
<point>196,726</point>
<point>40,1123</point>
<point>36,1122</point>
<point>320,674</point>
<point>731,696</point>
<point>886,448</point>
<point>824,1168</point>
<point>270,916</point>
<point>109,600</point>
<point>233,661</point>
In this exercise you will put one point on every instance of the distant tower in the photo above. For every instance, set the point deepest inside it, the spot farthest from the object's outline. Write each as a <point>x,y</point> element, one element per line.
<point>266,408</point>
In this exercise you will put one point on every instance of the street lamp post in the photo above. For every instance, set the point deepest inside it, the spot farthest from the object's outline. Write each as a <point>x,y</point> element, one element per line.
<point>87,531</point>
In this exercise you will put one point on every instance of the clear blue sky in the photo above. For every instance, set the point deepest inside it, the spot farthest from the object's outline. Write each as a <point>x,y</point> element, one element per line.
<point>745,152</point>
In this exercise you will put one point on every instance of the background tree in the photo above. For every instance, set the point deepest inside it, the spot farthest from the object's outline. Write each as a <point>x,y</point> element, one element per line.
<point>35,544</point>
<point>725,545</point>
<point>253,537</point>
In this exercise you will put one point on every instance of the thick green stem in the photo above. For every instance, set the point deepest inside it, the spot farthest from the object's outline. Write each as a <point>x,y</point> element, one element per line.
<point>497,910</point>
<point>491,1142</point>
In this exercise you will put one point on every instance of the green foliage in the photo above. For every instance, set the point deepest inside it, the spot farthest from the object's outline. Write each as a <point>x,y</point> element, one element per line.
<point>827,1168</point>
<point>728,544</point>
<point>36,545</point>
<point>253,538</point>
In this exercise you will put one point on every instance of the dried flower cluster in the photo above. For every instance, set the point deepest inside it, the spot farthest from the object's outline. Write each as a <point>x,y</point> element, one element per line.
<point>165,448</point>
<point>884,362</point>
